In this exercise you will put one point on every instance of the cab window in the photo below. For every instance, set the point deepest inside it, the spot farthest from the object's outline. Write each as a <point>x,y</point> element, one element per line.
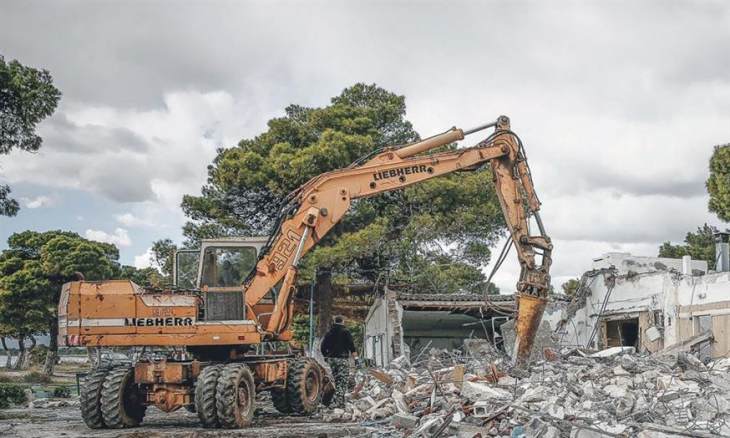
<point>186,268</point>
<point>227,266</point>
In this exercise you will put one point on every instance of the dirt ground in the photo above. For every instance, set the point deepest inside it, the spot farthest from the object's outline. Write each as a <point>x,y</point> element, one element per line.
<point>66,422</point>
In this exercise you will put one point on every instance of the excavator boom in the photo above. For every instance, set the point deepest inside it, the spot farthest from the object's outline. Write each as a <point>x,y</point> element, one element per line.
<point>314,208</point>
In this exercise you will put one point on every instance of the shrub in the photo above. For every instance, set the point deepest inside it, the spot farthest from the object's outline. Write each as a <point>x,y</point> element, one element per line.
<point>38,355</point>
<point>11,394</point>
<point>62,392</point>
<point>36,377</point>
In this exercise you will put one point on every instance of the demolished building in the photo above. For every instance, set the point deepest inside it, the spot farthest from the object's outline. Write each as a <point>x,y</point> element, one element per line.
<point>651,304</point>
<point>409,324</point>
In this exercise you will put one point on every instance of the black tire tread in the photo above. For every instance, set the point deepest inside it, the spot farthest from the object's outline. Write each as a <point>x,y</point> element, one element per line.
<point>112,404</point>
<point>226,405</point>
<point>90,398</point>
<point>279,400</point>
<point>295,386</point>
<point>205,395</point>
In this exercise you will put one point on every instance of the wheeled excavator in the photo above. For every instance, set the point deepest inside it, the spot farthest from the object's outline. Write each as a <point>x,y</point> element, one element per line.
<point>210,345</point>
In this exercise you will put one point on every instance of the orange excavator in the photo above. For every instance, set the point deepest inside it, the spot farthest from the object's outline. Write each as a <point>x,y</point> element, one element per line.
<point>215,340</point>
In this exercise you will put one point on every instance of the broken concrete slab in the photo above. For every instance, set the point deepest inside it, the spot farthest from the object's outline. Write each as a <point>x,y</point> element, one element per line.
<point>403,421</point>
<point>475,391</point>
<point>653,334</point>
<point>613,351</point>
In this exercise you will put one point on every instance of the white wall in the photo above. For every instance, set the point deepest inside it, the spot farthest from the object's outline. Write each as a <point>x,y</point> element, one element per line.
<point>625,262</point>
<point>648,290</point>
<point>379,332</point>
<point>639,293</point>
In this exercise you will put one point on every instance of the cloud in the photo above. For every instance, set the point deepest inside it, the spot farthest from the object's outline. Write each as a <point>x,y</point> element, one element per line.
<point>77,137</point>
<point>143,260</point>
<point>133,156</point>
<point>130,220</point>
<point>38,202</point>
<point>120,237</point>
<point>618,107</point>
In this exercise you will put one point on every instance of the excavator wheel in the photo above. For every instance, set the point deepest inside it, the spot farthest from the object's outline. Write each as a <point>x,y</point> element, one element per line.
<point>278,398</point>
<point>235,396</point>
<point>205,391</point>
<point>90,398</point>
<point>303,386</point>
<point>121,402</point>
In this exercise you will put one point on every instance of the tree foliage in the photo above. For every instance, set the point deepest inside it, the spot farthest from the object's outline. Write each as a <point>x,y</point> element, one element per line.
<point>163,251</point>
<point>435,235</point>
<point>699,245</point>
<point>33,270</point>
<point>145,277</point>
<point>27,96</point>
<point>718,183</point>
<point>570,287</point>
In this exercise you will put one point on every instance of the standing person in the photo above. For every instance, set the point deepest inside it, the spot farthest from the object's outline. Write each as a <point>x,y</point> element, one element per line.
<point>337,348</point>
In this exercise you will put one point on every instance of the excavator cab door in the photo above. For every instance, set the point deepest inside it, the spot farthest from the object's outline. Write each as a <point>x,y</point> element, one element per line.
<point>218,269</point>
<point>185,269</point>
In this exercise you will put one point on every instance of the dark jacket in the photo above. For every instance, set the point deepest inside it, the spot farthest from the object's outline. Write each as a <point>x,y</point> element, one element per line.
<point>337,342</point>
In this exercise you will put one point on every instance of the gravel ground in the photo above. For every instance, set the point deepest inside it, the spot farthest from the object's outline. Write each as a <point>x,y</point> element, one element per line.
<point>66,422</point>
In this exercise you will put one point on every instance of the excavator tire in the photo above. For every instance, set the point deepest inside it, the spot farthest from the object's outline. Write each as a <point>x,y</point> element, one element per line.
<point>90,398</point>
<point>278,398</point>
<point>121,402</point>
<point>303,386</point>
<point>205,391</point>
<point>235,396</point>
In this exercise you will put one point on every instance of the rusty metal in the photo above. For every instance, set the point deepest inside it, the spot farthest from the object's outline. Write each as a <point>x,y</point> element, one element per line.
<point>529,316</point>
<point>271,371</point>
<point>166,372</point>
<point>170,397</point>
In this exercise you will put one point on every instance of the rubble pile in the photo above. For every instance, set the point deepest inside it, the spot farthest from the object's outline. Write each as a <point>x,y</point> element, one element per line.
<point>610,393</point>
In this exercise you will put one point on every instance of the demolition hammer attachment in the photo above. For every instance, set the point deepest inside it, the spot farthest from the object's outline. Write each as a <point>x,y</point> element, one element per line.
<point>529,316</point>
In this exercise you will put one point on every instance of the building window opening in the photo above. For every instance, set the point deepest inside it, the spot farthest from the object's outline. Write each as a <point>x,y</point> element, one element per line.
<point>623,333</point>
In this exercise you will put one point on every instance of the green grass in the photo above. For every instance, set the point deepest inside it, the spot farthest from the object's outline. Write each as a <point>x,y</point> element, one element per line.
<point>36,377</point>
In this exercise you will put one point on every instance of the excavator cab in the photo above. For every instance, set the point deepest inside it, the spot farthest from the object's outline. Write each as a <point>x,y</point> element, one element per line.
<point>218,269</point>
<point>218,265</point>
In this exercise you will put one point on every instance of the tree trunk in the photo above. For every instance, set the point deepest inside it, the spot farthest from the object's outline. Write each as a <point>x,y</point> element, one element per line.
<point>9,357</point>
<point>52,355</point>
<point>28,353</point>
<point>324,300</point>
<point>21,354</point>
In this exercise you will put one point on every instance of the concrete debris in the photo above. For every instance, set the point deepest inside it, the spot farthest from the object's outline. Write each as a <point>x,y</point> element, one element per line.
<point>614,392</point>
<point>653,334</point>
<point>404,421</point>
<point>614,351</point>
<point>52,403</point>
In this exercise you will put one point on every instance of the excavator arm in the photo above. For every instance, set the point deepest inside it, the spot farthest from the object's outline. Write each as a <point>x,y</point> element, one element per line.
<point>315,207</point>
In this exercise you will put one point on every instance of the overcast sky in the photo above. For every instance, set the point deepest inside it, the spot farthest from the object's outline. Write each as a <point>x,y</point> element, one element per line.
<point>619,103</point>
